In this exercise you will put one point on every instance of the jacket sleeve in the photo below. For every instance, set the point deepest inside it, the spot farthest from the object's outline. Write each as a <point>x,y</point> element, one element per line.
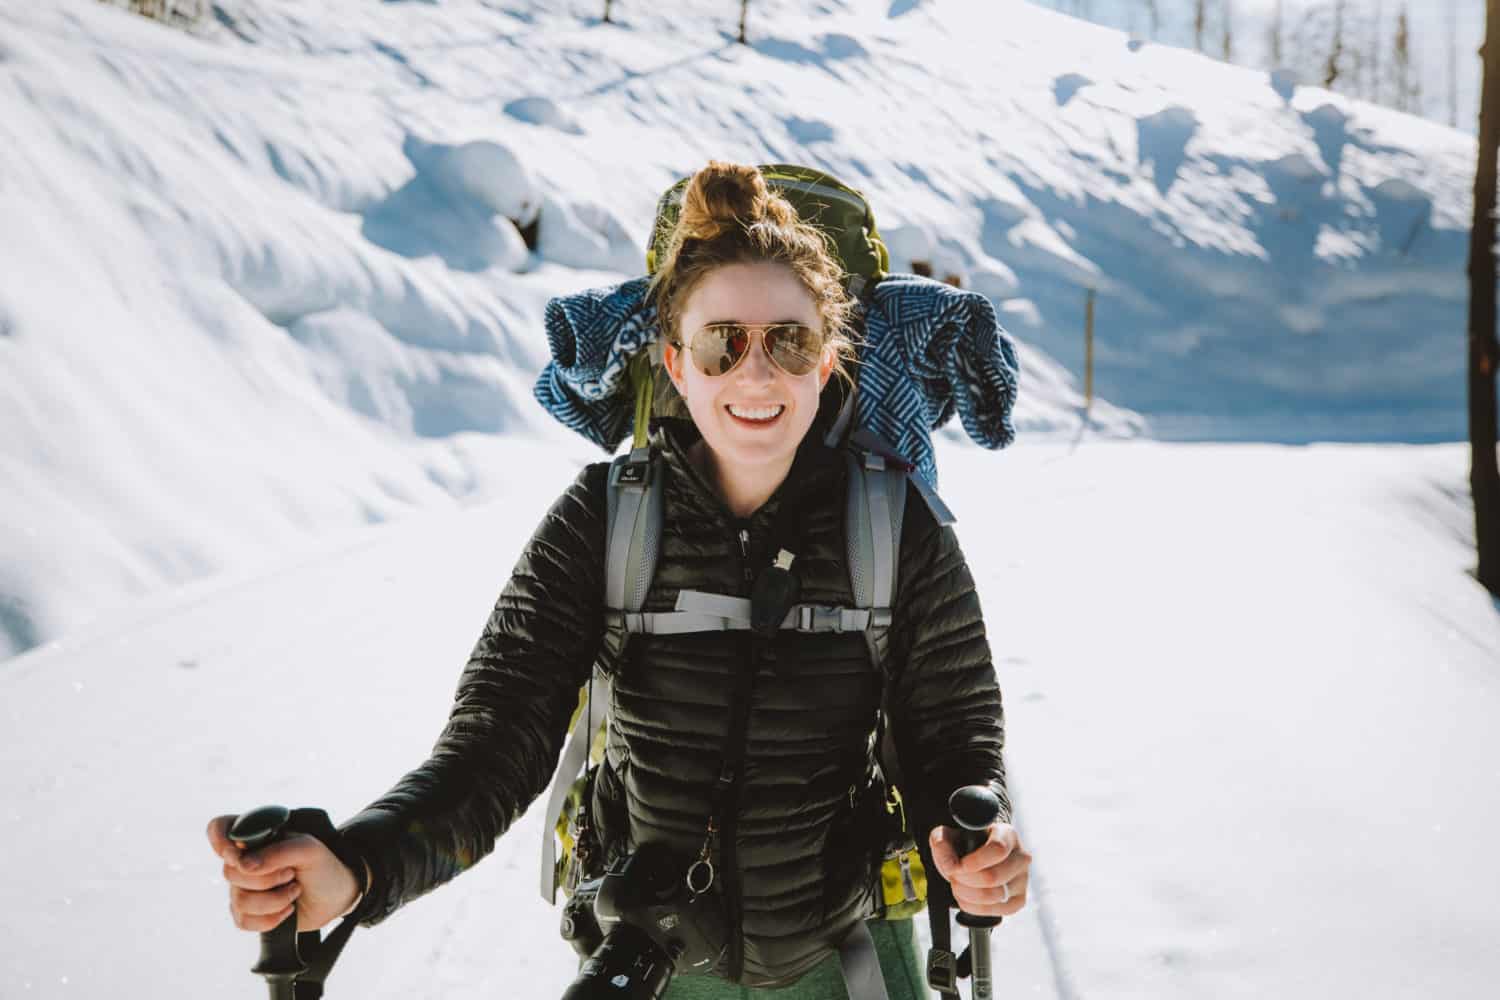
<point>509,717</point>
<point>945,711</point>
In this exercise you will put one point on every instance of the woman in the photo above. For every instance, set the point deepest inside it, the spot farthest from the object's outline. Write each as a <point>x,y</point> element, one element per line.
<point>753,753</point>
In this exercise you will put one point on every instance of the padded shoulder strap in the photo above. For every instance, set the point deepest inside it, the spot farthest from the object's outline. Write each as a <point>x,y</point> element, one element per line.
<point>876,507</point>
<point>635,493</point>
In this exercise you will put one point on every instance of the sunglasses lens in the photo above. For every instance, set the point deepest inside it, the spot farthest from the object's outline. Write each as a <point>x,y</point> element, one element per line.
<point>718,348</point>
<point>794,347</point>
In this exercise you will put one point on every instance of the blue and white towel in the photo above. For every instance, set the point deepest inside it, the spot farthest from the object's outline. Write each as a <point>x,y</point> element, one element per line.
<point>930,350</point>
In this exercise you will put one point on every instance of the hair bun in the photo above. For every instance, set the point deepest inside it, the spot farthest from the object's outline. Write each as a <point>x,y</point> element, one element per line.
<point>723,195</point>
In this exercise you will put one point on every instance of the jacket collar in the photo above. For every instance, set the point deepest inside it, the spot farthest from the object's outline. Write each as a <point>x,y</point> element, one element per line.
<point>814,467</point>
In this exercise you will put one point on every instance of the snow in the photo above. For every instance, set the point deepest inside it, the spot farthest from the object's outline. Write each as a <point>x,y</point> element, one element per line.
<point>268,325</point>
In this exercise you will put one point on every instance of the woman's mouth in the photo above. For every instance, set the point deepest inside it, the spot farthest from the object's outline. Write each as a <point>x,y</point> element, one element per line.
<point>756,416</point>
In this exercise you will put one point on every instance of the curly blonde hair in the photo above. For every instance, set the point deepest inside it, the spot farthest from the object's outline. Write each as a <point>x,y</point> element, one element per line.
<point>730,215</point>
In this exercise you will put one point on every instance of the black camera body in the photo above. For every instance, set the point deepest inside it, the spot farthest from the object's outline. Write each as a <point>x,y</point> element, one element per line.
<point>637,925</point>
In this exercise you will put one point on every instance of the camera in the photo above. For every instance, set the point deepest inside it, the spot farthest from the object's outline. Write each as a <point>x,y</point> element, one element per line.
<point>641,922</point>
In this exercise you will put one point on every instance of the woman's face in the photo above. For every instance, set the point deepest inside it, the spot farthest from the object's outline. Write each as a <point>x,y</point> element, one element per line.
<point>731,409</point>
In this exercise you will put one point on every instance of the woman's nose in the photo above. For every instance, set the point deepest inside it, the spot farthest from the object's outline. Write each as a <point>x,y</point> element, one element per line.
<point>757,367</point>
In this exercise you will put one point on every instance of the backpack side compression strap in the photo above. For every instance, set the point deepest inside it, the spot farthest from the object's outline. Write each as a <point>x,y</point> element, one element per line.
<point>574,758</point>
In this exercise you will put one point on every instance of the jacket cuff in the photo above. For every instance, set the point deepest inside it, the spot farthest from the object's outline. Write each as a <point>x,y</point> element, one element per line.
<point>369,836</point>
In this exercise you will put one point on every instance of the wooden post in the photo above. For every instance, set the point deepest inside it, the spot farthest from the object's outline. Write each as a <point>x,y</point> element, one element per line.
<point>1088,353</point>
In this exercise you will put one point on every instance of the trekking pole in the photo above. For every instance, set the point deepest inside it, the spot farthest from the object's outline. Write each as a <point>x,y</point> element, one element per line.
<point>293,964</point>
<point>975,808</point>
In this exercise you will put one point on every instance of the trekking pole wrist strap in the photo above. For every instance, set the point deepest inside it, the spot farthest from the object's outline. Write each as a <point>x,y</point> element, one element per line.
<point>316,824</point>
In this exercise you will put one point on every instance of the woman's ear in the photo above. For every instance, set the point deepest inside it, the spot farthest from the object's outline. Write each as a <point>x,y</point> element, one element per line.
<point>825,367</point>
<point>671,359</point>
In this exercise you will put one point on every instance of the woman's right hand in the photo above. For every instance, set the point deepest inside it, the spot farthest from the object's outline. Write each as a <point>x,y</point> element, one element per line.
<point>296,874</point>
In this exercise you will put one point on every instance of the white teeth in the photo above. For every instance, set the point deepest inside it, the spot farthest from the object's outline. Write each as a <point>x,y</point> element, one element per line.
<point>756,412</point>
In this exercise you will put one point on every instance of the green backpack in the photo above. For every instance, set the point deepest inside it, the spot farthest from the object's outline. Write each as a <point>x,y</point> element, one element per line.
<point>875,505</point>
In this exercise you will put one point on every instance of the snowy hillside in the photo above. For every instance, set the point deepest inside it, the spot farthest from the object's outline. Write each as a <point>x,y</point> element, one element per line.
<point>260,284</point>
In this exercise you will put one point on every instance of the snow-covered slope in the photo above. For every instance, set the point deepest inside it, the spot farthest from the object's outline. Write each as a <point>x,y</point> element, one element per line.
<point>261,283</point>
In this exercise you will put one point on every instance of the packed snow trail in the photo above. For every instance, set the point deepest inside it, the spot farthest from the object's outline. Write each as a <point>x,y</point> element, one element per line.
<point>1249,693</point>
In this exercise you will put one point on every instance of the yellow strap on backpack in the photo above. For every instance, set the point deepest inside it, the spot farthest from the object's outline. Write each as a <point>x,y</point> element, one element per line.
<point>643,380</point>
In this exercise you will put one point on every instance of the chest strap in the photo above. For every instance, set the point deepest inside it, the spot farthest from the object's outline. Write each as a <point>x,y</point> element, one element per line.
<point>698,611</point>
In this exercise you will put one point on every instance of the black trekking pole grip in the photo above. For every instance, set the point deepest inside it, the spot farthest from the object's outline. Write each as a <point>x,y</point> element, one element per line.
<point>279,961</point>
<point>975,809</point>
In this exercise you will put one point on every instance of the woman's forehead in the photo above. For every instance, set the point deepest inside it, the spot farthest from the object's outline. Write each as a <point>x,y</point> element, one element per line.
<point>762,292</point>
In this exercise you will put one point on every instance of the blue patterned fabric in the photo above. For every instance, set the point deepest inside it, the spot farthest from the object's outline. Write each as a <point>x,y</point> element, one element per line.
<point>931,350</point>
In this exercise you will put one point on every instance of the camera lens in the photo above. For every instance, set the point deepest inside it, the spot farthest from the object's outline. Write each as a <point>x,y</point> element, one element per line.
<point>627,966</point>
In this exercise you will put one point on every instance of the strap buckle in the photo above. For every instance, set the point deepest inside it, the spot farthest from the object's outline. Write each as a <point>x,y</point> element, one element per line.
<point>634,472</point>
<point>816,618</point>
<point>811,618</point>
<point>942,971</point>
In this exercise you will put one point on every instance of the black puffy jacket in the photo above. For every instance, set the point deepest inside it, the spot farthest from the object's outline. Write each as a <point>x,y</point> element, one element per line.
<point>799,831</point>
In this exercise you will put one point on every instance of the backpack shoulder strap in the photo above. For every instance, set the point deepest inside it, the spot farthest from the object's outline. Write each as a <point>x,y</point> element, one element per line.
<point>634,529</point>
<point>876,507</point>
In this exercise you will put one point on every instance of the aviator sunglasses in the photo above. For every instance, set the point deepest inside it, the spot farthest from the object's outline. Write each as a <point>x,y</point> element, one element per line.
<point>718,348</point>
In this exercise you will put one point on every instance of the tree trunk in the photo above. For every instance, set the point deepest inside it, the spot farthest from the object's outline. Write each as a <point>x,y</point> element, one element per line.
<point>607,5</point>
<point>1275,39</point>
<point>1335,63</point>
<point>1377,42</point>
<point>1484,350</point>
<point>1453,63</point>
<point>1401,76</point>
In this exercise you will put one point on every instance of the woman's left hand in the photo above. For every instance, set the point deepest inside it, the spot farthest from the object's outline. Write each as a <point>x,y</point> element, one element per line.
<point>989,882</point>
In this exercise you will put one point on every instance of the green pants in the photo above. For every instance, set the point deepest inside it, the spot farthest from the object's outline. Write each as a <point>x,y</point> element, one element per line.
<point>895,943</point>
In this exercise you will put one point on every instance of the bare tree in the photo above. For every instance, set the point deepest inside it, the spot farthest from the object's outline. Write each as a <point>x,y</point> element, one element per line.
<point>1453,63</point>
<point>1274,36</point>
<point>1375,45</point>
<point>744,8</point>
<point>607,5</point>
<point>1200,21</point>
<point>1153,15</point>
<point>1334,65</point>
<point>1484,350</point>
<point>1226,21</point>
<point>1401,68</point>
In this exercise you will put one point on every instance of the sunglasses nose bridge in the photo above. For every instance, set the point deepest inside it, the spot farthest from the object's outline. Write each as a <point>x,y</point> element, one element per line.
<point>757,361</point>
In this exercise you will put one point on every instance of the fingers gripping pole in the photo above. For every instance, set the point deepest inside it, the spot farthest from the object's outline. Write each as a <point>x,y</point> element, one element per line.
<point>975,809</point>
<point>295,965</point>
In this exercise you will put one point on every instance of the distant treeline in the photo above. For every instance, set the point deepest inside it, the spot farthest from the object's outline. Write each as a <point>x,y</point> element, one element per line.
<point>1367,49</point>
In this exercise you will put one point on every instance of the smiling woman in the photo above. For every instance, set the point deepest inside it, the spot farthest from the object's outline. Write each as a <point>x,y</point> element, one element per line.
<point>737,825</point>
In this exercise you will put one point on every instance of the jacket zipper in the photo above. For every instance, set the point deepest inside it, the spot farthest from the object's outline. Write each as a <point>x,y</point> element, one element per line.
<point>739,719</point>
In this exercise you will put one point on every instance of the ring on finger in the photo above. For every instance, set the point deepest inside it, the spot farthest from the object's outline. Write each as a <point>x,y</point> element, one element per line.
<point>1005,889</point>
